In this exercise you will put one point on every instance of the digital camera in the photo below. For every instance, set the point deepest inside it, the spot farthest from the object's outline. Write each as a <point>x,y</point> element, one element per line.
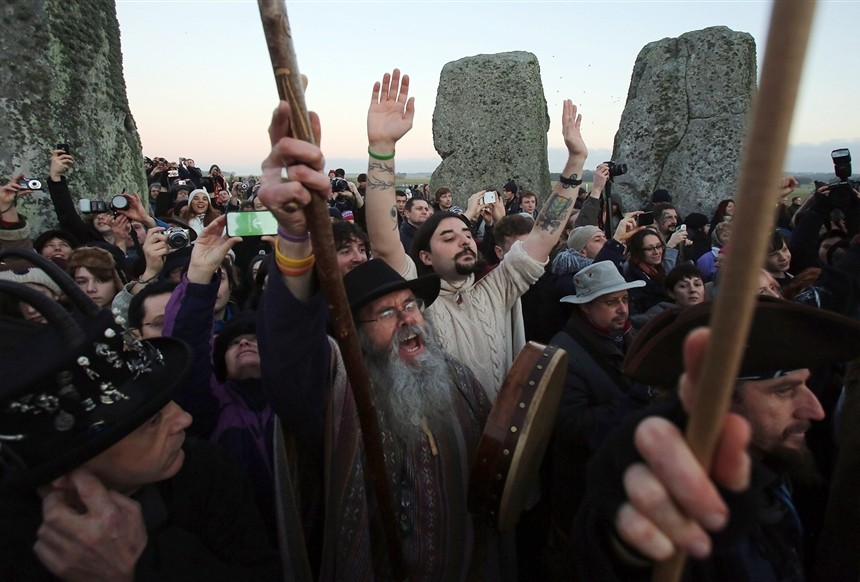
<point>841,194</point>
<point>30,183</point>
<point>177,237</point>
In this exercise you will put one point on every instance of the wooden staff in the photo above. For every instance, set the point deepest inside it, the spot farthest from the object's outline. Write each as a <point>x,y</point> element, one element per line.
<point>276,27</point>
<point>752,225</point>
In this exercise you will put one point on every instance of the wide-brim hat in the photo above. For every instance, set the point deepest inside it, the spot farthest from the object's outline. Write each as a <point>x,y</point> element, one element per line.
<point>783,336</point>
<point>375,278</point>
<point>77,385</point>
<point>597,279</point>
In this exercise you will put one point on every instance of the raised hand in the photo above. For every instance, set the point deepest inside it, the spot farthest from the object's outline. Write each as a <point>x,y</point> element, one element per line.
<point>672,501</point>
<point>209,251</point>
<point>60,164</point>
<point>570,126</point>
<point>391,112</point>
<point>304,164</point>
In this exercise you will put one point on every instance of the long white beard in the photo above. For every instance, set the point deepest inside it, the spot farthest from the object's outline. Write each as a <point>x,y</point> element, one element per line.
<point>407,394</point>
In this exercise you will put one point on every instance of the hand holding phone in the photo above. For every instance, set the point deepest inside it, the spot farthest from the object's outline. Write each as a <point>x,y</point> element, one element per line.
<point>251,223</point>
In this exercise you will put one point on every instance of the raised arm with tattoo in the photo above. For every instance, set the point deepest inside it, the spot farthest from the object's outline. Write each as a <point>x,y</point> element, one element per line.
<point>389,118</point>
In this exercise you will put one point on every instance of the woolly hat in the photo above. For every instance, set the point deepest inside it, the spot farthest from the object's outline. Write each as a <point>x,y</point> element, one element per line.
<point>580,236</point>
<point>33,275</point>
<point>93,258</point>
<point>660,195</point>
<point>511,186</point>
<point>59,233</point>
<point>199,191</point>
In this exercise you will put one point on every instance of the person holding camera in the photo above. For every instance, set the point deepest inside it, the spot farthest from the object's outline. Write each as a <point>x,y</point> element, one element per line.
<point>189,171</point>
<point>14,230</point>
<point>93,228</point>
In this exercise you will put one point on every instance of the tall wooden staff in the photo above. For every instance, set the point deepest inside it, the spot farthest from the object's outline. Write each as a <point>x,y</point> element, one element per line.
<point>764,155</point>
<point>276,27</point>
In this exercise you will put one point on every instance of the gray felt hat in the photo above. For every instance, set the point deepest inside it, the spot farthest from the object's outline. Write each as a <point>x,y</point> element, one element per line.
<point>598,279</point>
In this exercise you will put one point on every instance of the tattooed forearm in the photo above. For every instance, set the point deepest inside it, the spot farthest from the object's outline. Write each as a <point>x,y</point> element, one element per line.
<point>376,183</point>
<point>554,213</point>
<point>374,165</point>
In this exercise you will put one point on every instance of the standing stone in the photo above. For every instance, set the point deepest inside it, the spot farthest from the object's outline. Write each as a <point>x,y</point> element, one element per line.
<point>490,126</point>
<point>61,81</point>
<point>684,122</point>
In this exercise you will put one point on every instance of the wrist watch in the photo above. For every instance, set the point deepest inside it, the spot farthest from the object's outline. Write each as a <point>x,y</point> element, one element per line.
<point>569,182</point>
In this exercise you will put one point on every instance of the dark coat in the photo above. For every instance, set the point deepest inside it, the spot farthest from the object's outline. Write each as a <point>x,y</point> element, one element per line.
<point>202,524</point>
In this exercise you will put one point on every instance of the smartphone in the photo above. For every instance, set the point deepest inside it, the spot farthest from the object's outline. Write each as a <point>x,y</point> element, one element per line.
<point>645,219</point>
<point>252,223</point>
<point>64,147</point>
<point>172,173</point>
<point>490,197</point>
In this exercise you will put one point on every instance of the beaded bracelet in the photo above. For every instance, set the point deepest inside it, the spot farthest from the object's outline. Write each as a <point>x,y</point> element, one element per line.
<point>288,237</point>
<point>379,156</point>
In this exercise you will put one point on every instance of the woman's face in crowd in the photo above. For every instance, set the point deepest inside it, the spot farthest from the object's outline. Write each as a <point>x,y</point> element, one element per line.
<point>688,291</point>
<point>100,291</point>
<point>200,203</point>
<point>154,192</point>
<point>56,248</point>
<point>730,209</point>
<point>652,250</point>
<point>779,261</point>
<point>258,204</point>
<point>102,222</point>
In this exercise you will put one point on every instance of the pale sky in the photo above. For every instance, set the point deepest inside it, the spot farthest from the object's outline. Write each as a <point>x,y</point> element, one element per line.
<point>200,84</point>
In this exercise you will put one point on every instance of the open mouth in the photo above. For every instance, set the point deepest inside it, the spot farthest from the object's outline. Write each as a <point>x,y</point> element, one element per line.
<point>411,345</point>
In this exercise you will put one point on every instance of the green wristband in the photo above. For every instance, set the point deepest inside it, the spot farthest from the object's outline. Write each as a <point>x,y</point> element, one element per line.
<point>379,157</point>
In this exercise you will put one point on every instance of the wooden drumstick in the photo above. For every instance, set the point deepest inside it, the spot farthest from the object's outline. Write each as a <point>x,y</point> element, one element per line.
<point>290,88</point>
<point>752,225</point>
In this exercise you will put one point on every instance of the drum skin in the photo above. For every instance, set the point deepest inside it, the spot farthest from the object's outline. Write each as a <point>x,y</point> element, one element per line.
<point>516,435</point>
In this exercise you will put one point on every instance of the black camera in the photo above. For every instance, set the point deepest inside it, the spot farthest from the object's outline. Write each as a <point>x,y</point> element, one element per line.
<point>30,183</point>
<point>177,237</point>
<point>841,191</point>
<point>118,202</point>
<point>243,186</point>
<point>339,185</point>
<point>616,169</point>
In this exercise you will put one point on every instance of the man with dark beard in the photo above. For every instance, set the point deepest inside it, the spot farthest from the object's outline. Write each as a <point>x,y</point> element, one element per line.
<point>431,409</point>
<point>471,316</point>
<point>763,539</point>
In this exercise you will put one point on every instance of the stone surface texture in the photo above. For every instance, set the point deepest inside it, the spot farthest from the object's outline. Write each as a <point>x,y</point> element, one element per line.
<point>61,81</point>
<point>490,125</point>
<point>684,122</point>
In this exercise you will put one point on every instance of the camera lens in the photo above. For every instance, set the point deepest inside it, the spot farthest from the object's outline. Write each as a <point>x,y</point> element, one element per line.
<point>177,238</point>
<point>119,202</point>
<point>34,185</point>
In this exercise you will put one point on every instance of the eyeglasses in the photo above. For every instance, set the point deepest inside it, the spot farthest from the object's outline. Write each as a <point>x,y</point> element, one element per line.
<point>389,316</point>
<point>653,248</point>
<point>613,303</point>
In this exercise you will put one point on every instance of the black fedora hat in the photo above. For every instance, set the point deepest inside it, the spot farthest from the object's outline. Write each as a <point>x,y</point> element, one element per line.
<point>375,278</point>
<point>783,336</point>
<point>77,385</point>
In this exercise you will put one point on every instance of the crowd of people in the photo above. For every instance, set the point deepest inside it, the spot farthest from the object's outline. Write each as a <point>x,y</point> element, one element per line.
<point>130,326</point>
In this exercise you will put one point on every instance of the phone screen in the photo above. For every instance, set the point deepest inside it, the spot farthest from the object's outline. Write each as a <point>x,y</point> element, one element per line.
<point>251,223</point>
<point>490,197</point>
<point>645,219</point>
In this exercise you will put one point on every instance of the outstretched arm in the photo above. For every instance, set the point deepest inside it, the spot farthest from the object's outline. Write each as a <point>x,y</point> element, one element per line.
<point>554,214</point>
<point>389,118</point>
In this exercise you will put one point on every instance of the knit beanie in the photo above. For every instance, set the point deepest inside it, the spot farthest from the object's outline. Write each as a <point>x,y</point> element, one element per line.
<point>580,236</point>
<point>33,275</point>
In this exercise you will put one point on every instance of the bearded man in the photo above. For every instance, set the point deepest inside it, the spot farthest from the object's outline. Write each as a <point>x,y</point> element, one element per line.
<point>431,409</point>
